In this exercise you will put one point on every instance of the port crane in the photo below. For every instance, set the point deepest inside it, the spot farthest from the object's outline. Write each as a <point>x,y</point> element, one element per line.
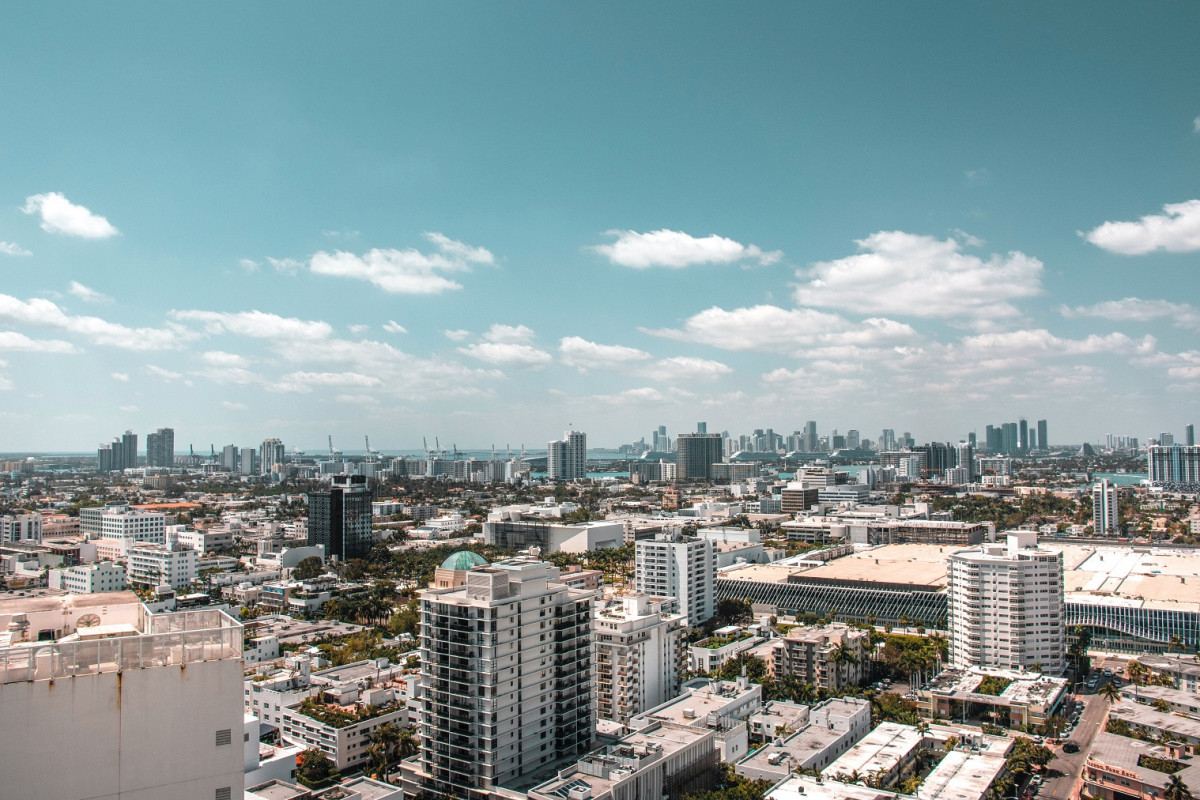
<point>333,451</point>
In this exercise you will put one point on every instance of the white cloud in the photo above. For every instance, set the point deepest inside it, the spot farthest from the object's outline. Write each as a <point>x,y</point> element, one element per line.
<point>256,324</point>
<point>912,275</point>
<point>640,395</point>
<point>87,294</point>
<point>12,340</point>
<point>457,335</point>
<point>391,326</point>
<point>123,377</point>
<point>1040,341</point>
<point>356,399</point>
<point>304,382</point>
<point>1196,125</point>
<point>1176,230</point>
<point>60,215</point>
<point>968,239</point>
<point>165,374</point>
<point>1134,309</point>
<point>10,249</point>
<point>506,354</point>
<point>128,409</point>
<point>286,265</point>
<point>5,384</point>
<point>232,406</point>
<point>248,264</point>
<point>508,334</point>
<point>675,250</point>
<point>44,313</point>
<point>219,358</point>
<point>774,329</point>
<point>407,271</point>
<point>358,330</point>
<point>340,234</point>
<point>686,369</point>
<point>578,352</point>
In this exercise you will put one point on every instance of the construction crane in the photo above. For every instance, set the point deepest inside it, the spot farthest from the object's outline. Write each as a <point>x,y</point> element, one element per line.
<point>333,451</point>
<point>370,450</point>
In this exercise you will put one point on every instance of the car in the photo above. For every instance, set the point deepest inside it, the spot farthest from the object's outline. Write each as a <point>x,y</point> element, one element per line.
<point>1108,673</point>
<point>1071,747</point>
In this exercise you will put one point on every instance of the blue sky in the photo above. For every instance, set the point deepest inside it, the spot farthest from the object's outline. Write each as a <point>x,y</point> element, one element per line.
<point>492,221</point>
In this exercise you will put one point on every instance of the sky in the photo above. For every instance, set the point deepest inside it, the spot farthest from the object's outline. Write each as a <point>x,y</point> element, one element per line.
<point>493,222</point>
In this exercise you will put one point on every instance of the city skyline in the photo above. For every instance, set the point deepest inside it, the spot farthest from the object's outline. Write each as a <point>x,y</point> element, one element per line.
<point>528,219</point>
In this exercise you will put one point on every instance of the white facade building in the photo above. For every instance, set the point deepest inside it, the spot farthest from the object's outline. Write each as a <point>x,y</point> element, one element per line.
<point>151,565</point>
<point>21,528</point>
<point>117,527</point>
<point>1006,606</point>
<point>103,576</point>
<point>139,706</point>
<point>1104,509</point>
<point>637,654</point>
<point>670,566</point>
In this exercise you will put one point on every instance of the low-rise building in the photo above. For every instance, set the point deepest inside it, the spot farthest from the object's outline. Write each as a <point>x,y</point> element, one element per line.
<point>1177,701</point>
<point>103,576</point>
<point>1147,721</point>
<point>721,706</point>
<point>830,729</point>
<point>339,721</point>
<point>827,656</point>
<point>1026,699</point>
<point>151,565</point>
<point>722,647</point>
<point>1119,768</point>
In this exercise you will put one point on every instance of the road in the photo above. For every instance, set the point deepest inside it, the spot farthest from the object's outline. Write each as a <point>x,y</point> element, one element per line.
<point>1063,772</point>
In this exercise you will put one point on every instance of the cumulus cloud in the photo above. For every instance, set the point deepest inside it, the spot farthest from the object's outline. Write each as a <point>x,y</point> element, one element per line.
<point>686,369</point>
<point>391,326</point>
<point>913,275</point>
<point>1176,230</point>
<point>19,342</point>
<point>457,335</point>
<point>10,249</point>
<point>675,250</point>
<point>1042,342</point>
<point>286,265</point>
<point>774,329</point>
<point>122,377</point>
<point>358,330</point>
<point>578,352</point>
<point>1134,309</point>
<point>160,372</point>
<point>407,271</point>
<point>508,334</point>
<point>248,264</point>
<point>507,354</point>
<point>45,313</point>
<point>87,294</point>
<point>219,358</point>
<point>304,382</point>
<point>255,324</point>
<point>60,215</point>
<point>232,406</point>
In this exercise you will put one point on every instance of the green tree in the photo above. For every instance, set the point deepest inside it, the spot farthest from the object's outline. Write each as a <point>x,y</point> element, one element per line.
<point>1110,692</point>
<point>313,769</point>
<point>308,569</point>
<point>1177,789</point>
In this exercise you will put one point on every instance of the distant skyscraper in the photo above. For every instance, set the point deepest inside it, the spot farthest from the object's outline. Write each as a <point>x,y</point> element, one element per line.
<point>1010,439</point>
<point>1104,509</point>
<point>1166,439</point>
<point>229,456</point>
<point>271,455</point>
<point>964,456</point>
<point>696,453</point>
<point>888,440</point>
<point>246,461</point>
<point>1175,464</point>
<point>701,427</point>
<point>340,519</point>
<point>852,439</point>
<point>160,448</point>
<point>1023,436</point>
<point>1043,436</point>
<point>566,459</point>
<point>811,442</point>
<point>1189,436</point>
<point>120,455</point>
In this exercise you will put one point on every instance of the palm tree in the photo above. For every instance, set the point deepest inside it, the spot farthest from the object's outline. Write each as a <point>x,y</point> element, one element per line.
<point>922,727</point>
<point>840,655</point>
<point>1136,671</point>
<point>1176,642</point>
<point>1110,692</point>
<point>1177,789</point>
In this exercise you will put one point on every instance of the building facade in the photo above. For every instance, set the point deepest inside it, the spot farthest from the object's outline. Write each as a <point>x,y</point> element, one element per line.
<point>340,519</point>
<point>695,454</point>
<point>21,528</point>
<point>686,569</point>
<point>637,653</point>
<point>1006,606</point>
<point>508,693</point>
<point>160,448</point>
<point>102,576</point>
<point>1174,466</point>
<point>1104,509</point>
<point>566,459</point>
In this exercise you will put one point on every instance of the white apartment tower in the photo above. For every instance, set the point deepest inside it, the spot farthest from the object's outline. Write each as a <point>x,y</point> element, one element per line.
<point>1006,606</point>
<point>686,569</point>
<point>637,656</point>
<point>1104,509</point>
<point>507,660</point>
<point>21,528</point>
<point>566,459</point>
<point>137,706</point>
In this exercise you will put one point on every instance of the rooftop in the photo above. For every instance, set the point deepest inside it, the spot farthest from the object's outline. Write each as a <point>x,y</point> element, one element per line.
<point>1025,688</point>
<point>881,749</point>
<point>1123,753</point>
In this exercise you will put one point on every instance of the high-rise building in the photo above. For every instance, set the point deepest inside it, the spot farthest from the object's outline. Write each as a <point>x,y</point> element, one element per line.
<point>695,453</point>
<point>1010,439</point>
<point>1043,435</point>
<point>271,455</point>
<point>508,689</point>
<point>964,458</point>
<point>811,441</point>
<point>1189,435</point>
<point>701,427</point>
<point>121,454</point>
<point>160,448</point>
<point>638,653</point>
<point>1023,436</point>
<point>340,519</point>
<point>566,459</point>
<point>247,458</point>
<point>1174,465</point>
<point>686,569</point>
<point>1166,439</point>
<point>122,710</point>
<point>1104,509</point>
<point>21,528</point>
<point>1006,606</point>
<point>852,439</point>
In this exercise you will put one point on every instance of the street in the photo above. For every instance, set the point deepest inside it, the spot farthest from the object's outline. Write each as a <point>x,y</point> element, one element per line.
<point>1063,772</point>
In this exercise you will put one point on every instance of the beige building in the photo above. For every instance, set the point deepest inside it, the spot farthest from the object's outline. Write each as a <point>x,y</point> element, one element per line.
<point>827,656</point>
<point>637,655</point>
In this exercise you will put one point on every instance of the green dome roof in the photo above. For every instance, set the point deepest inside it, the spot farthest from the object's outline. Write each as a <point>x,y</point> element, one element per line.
<point>464,560</point>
